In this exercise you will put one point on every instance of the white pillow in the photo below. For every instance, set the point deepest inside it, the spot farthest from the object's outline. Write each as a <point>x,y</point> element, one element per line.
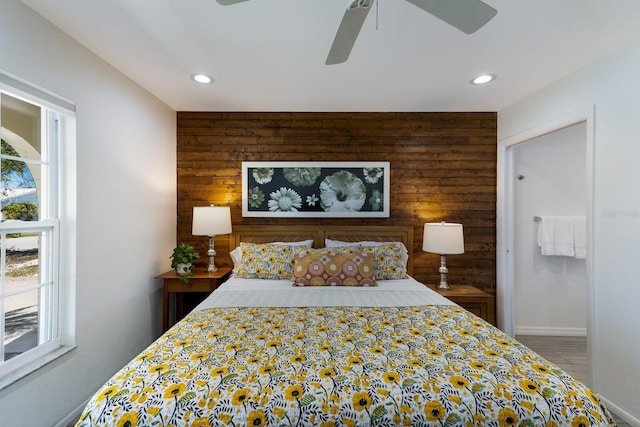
<point>328,243</point>
<point>236,254</point>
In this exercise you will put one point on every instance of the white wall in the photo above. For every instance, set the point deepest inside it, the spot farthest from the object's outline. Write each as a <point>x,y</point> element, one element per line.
<point>126,213</point>
<point>611,85</point>
<point>550,292</point>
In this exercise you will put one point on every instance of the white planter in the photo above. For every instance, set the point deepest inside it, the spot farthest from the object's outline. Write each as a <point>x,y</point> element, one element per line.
<point>183,269</point>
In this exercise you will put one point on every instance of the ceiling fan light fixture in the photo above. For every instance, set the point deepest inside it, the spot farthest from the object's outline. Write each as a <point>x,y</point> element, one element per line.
<point>202,78</point>
<point>483,79</point>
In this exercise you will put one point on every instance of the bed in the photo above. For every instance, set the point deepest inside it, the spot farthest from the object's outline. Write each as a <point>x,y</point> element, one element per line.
<point>260,351</point>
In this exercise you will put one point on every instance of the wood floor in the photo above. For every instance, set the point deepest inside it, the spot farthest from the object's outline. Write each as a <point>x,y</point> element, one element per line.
<point>569,353</point>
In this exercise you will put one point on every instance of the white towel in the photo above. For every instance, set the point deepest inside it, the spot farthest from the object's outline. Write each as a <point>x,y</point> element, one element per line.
<point>580,236</point>
<point>556,236</point>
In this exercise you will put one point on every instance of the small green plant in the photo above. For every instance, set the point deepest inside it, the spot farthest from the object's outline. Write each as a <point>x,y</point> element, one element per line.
<point>184,254</point>
<point>26,211</point>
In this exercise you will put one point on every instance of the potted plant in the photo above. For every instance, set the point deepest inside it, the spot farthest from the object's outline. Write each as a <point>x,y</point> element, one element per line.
<point>182,260</point>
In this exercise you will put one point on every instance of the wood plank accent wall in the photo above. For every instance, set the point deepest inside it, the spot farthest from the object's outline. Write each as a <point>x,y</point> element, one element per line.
<point>443,167</point>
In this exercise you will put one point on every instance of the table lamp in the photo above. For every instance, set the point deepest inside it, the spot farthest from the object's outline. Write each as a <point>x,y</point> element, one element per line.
<point>211,221</point>
<point>443,238</point>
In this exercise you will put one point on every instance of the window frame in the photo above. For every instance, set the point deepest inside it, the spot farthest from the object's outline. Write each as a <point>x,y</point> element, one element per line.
<point>57,228</point>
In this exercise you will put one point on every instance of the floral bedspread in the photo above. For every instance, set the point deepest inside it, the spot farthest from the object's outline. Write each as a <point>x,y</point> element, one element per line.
<point>326,366</point>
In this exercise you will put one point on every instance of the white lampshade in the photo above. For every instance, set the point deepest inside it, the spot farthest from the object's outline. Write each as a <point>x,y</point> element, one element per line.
<point>211,220</point>
<point>443,238</point>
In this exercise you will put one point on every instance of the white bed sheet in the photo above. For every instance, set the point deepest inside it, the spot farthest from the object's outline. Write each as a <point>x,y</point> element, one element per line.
<point>280,293</point>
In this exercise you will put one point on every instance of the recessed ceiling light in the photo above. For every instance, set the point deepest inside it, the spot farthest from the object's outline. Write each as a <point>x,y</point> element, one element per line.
<point>483,79</point>
<point>202,78</point>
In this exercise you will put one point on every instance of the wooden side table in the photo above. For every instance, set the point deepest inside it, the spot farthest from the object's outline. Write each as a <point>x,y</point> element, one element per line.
<point>472,299</point>
<point>201,281</point>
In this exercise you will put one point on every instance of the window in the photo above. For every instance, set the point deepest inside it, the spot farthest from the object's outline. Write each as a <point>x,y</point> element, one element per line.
<point>32,193</point>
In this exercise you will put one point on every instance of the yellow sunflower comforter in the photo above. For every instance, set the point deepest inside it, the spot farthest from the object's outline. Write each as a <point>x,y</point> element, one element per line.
<point>347,366</point>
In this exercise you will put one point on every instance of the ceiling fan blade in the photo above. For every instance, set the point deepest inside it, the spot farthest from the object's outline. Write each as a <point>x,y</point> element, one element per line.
<point>229,2</point>
<point>466,15</point>
<point>348,31</point>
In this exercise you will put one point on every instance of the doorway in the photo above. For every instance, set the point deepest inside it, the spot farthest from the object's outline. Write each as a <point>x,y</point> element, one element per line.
<point>549,292</point>
<point>539,158</point>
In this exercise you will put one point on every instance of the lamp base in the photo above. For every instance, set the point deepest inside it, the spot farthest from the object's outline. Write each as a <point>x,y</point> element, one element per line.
<point>211,268</point>
<point>443,286</point>
<point>443,274</point>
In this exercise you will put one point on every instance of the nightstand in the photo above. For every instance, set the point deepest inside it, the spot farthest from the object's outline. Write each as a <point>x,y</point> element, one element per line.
<point>472,299</point>
<point>201,281</point>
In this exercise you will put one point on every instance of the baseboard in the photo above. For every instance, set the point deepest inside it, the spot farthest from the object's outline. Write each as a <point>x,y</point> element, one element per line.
<point>621,413</point>
<point>554,332</point>
<point>73,416</point>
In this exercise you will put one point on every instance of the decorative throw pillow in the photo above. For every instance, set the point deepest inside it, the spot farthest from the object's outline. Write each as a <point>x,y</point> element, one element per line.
<point>333,267</point>
<point>236,254</point>
<point>266,261</point>
<point>389,262</point>
<point>330,243</point>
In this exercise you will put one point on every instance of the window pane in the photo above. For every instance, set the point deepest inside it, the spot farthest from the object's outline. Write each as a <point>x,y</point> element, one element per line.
<point>22,268</point>
<point>24,306</point>
<point>18,190</point>
<point>20,165</point>
<point>21,323</point>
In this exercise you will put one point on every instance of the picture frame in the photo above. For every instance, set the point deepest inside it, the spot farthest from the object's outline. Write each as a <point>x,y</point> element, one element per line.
<point>316,189</point>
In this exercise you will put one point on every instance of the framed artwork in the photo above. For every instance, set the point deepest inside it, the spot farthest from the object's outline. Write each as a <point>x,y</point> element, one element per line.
<point>315,189</point>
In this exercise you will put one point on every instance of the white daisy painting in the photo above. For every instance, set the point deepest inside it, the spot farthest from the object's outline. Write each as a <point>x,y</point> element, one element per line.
<point>315,189</point>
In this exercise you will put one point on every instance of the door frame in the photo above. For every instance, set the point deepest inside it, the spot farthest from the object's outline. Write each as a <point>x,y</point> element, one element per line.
<point>505,221</point>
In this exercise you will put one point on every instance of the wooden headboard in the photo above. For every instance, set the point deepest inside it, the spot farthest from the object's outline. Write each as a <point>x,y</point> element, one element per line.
<point>317,233</point>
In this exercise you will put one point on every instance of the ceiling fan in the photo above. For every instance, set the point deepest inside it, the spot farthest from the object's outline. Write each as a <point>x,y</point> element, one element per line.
<point>466,15</point>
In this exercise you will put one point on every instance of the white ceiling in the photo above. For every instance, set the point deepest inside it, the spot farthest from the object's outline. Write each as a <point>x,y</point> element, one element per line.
<point>268,55</point>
